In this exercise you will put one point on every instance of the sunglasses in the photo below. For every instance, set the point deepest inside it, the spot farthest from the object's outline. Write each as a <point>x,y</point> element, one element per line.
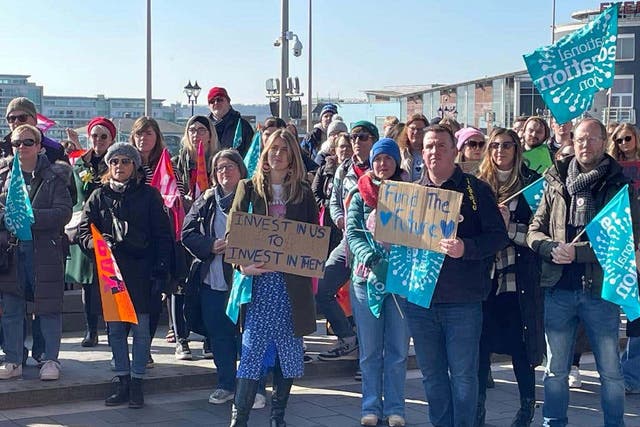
<point>364,137</point>
<point>502,145</point>
<point>22,118</point>
<point>625,139</point>
<point>474,144</point>
<point>102,137</point>
<point>124,162</point>
<point>217,99</point>
<point>26,142</point>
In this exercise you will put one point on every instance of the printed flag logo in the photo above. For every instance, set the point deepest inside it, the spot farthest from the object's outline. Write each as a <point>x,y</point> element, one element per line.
<point>18,215</point>
<point>533,193</point>
<point>237,136</point>
<point>611,237</point>
<point>569,73</point>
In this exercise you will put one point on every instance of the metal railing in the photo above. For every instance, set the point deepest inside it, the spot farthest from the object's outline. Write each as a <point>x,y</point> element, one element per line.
<point>619,114</point>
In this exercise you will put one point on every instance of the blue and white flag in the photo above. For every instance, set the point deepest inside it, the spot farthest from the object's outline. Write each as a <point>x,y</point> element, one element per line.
<point>18,214</point>
<point>413,273</point>
<point>611,237</point>
<point>237,136</point>
<point>569,72</point>
<point>533,193</point>
<point>253,154</point>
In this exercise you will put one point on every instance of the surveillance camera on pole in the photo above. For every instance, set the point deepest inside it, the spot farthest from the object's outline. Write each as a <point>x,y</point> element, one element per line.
<point>297,47</point>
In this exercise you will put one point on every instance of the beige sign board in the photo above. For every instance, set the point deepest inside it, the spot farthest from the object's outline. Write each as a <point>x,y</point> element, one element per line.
<point>416,216</point>
<point>282,244</point>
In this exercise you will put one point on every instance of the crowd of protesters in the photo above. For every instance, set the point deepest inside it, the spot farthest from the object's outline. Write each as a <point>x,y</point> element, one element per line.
<point>513,281</point>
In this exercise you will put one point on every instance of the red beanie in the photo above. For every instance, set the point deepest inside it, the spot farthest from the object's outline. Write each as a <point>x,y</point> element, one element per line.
<point>218,91</point>
<point>102,121</point>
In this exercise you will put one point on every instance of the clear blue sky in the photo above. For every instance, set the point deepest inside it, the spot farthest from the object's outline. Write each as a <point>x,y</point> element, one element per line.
<point>94,47</point>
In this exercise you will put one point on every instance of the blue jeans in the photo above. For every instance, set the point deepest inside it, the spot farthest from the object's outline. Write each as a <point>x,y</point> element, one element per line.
<point>118,332</point>
<point>14,311</point>
<point>384,343</point>
<point>336,273</point>
<point>631,364</point>
<point>222,334</point>
<point>601,319</point>
<point>446,338</point>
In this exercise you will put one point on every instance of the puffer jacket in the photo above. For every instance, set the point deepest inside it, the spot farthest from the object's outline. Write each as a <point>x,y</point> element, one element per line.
<point>52,207</point>
<point>548,227</point>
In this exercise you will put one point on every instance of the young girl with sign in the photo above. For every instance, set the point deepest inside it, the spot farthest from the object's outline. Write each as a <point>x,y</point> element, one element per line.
<point>281,310</point>
<point>383,336</point>
<point>512,313</point>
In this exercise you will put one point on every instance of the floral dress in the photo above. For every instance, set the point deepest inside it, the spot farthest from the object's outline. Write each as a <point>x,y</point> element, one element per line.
<point>268,326</point>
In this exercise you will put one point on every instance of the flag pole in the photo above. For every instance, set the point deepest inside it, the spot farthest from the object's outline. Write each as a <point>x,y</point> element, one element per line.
<point>514,195</point>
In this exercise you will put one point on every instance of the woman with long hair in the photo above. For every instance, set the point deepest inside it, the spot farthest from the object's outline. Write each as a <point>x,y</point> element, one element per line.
<point>148,140</point>
<point>624,143</point>
<point>410,143</point>
<point>281,311</point>
<point>512,313</point>
<point>383,336</point>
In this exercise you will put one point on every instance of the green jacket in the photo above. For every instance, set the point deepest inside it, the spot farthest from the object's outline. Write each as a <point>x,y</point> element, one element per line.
<point>298,287</point>
<point>548,227</point>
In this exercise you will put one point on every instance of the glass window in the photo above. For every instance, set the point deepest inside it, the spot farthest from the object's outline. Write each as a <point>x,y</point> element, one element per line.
<point>625,47</point>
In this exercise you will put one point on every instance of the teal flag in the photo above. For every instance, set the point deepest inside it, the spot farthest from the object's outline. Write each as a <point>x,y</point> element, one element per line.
<point>569,72</point>
<point>533,193</point>
<point>237,137</point>
<point>413,273</point>
<point>18,215</point>
<point>376,289</point>
<point>253,154</point>
<point>241,291</point>
<point>611,237</point>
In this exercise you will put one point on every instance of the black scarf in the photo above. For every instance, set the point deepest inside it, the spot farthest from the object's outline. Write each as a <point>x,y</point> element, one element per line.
<point>223,201</point>
<point>579,186</point>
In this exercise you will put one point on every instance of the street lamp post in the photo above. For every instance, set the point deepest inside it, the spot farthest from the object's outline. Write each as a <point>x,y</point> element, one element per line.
<point>192,92</point>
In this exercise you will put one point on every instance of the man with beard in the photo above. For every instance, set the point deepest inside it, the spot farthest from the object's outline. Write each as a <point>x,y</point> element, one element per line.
<point>537,155</point>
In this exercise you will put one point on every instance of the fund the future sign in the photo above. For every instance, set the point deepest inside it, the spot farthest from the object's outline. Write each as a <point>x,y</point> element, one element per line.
<point>570,72</point>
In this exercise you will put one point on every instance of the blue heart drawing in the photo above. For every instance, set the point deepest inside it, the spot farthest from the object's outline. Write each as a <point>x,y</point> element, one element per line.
<point>447,227</point>
<point>385,216</point>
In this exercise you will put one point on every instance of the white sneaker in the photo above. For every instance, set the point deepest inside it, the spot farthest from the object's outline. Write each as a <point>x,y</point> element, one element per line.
<point>259,402</point>
<point>574,377</point>
<point>10,370</point>
<point>50,371</point>
<point>369,420</point>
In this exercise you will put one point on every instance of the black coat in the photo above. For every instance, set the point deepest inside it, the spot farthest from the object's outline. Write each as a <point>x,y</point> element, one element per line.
<point>226,130</point>
<point>144,254</point>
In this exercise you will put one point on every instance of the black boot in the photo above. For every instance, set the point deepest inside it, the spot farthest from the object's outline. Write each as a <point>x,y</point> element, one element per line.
<point>279,398</point>
<point>136,398</point>
<point>525,414</point>
<point>246,390</point>
<point>481,411</point>
<point>120,393</point>
<point>90,339</point>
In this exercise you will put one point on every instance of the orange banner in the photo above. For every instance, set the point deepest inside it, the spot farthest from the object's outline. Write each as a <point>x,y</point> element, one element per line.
<point>202,180</point>
<point>116,303</point>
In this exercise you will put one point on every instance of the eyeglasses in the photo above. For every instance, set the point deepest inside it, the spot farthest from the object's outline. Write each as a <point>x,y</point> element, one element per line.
<point>416,129</point>
<point>102,137</point>
<point>474,144</point>
<point>199,131</point>
<point>625,139</point>
<point>22,118</point>
<point>278,150</point>
<point>26,142</point>
<point>587,141</point>
<point>229,166</point>
<point>217,99</point>
<point>502,145</point>
<point>123,162</point>
<point>364,137</point>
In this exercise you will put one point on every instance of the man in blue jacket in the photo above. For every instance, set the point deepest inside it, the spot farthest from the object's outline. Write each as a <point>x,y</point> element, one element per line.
<point>225,118</point>
<point>447,335</point>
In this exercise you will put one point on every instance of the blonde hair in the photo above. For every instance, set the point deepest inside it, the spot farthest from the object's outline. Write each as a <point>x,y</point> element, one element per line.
<point>488,171</point>
<point>293,190</point>
<point>614,149</point>
<point>209,149</point>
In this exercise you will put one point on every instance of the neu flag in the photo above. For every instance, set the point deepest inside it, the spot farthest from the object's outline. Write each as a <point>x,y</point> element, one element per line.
<point>253,154</point>
<point>202,180</point>
<point>533,193</point>
<point>413,273</point>
<point>44,123</point>
<point>18,215</point>
<point>116,303</point>
<point>611,237</point>
<point>569,72</point>
<point>237,137</point>
<point>164,179</point>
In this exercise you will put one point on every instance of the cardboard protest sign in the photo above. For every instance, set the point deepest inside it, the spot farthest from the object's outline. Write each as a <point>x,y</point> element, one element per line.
<point>631,169</point>
<point>282,244</point>
<point>416,216</point>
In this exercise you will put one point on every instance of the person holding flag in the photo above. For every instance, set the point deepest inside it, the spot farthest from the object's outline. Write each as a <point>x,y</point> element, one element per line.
<point>578,188</point>
<point>233,131</point>
<point>383,338</point>
<point>131,217</point>
<point>36,205</point>
<point>512,313</point>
